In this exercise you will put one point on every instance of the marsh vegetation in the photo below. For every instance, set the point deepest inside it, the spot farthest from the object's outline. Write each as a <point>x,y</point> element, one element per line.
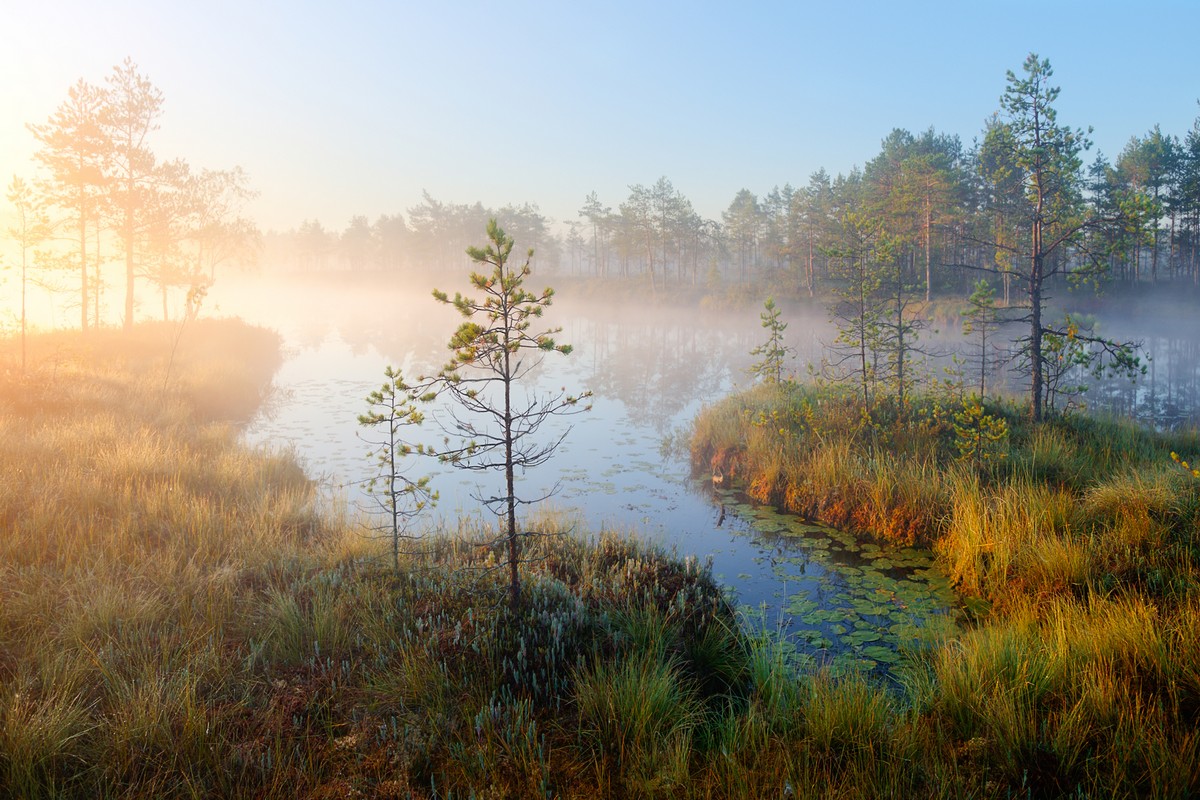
<point>182,617</point>
<point>888,578</point>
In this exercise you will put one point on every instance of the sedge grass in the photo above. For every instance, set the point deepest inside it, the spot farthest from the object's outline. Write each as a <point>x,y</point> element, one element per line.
<point>177,619</point>
<point>1081,677</point>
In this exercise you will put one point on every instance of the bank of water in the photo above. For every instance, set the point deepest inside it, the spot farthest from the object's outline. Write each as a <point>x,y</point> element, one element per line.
<point>621,466</point>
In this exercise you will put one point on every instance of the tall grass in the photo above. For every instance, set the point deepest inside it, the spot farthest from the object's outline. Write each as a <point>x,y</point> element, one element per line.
<point>1082,540</point>
<point>1074,696</point>
<point>177,619</point>
<point>640,716</point>
<point>1076,502</point>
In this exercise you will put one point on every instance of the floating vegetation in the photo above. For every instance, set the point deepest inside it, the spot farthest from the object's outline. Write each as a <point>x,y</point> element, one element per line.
<point>848,605</point>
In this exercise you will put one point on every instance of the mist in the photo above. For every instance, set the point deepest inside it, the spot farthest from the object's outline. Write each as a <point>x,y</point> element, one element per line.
<point>830,426</point>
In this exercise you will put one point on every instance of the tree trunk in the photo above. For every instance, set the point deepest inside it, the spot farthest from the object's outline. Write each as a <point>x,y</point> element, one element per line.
<point>96,283</point>
<point>1035,328</point>
<point>514,550</point>
<point>1154,252</point>
<point>23,267</point>
<point>928,249</point>
<point>83,267</point>
<point>128,230</point>
<point>809,267</point>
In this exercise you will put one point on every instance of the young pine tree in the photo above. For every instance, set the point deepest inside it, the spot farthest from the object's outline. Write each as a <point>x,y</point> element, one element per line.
<point>982,319</point>
<point>494,352</point>
<point>773,351</point>
<point>393,407</point>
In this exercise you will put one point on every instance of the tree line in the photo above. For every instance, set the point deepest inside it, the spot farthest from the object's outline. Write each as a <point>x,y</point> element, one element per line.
<point>434,237</point>
<point>101,198</point>
<point>1016,213</point>
<point>949,211</point>
<point>925,217</point>
<point>1032,219</point>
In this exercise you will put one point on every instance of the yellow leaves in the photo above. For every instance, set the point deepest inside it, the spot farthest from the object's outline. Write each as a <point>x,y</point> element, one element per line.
<point>1188,468</point>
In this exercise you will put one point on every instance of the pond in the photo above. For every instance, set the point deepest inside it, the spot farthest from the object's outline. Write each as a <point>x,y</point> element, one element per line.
<point>622,466</point>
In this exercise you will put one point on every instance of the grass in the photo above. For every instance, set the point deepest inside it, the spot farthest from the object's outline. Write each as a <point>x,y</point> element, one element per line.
<point>1073,503</point>
<point>1081,540</point>
<point>178,619</point>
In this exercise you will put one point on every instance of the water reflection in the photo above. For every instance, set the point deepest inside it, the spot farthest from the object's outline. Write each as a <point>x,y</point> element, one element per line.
<point>1168,395</point>
<point>650,371</point>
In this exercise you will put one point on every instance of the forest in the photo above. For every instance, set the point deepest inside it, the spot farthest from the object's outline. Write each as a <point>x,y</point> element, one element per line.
<point>103,201</point>
<point>949,211</point>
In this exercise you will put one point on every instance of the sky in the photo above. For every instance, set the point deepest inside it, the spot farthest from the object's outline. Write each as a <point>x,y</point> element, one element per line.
<point>341,109</point>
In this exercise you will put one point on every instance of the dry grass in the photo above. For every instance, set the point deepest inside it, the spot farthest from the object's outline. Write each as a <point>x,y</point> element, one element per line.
<point>1084,542</point>
<point>178,620</point>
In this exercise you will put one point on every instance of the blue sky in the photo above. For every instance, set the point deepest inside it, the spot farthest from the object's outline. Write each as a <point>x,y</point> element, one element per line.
<point>354,108</point>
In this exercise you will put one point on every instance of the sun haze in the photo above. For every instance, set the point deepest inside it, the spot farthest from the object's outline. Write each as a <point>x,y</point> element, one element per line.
<point>342,109</point>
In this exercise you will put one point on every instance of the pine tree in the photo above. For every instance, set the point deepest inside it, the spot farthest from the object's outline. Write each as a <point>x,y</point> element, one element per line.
<point>773,350</point>
<point>494,353</point>
<point>75,151</point>
<point>393,407</point>
<point>1044,157</point>
<point>31,229</point>
<point>981,318</point>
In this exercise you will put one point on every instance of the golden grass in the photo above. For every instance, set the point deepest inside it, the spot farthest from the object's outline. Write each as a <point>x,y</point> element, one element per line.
<point>178,620</point>
<point>137,535</point>
<point>1082,678</point>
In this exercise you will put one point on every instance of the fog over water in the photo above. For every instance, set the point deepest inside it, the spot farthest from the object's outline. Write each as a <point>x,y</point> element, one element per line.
<point>623,465</point>
<point>650,371</point>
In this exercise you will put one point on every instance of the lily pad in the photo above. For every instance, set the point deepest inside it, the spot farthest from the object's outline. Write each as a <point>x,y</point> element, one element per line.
<point>817,640</point>
<point>803,608</point>
<point>861,637</point>
<point>878,652</point>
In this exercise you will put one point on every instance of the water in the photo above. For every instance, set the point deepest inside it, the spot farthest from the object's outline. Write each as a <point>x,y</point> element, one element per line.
<point>622,466</point>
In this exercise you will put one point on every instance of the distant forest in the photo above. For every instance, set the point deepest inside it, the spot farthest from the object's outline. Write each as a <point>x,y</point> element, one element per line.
<point>103,214</point>
<point>949,213</point>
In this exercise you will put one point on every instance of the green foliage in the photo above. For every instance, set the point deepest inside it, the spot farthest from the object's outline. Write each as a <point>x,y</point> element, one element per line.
<point>857,311</point>
<point>490,343</point>
<point>1071,351</point>
<point>773,351</point>
<point>401,498</point>
<point>640,714</point>
<point>979,437</point>
<point>1043,159</point>
<point>982,319</point>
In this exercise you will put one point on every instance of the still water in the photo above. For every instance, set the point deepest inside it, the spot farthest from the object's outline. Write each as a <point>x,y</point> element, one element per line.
<point>622,466</point>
